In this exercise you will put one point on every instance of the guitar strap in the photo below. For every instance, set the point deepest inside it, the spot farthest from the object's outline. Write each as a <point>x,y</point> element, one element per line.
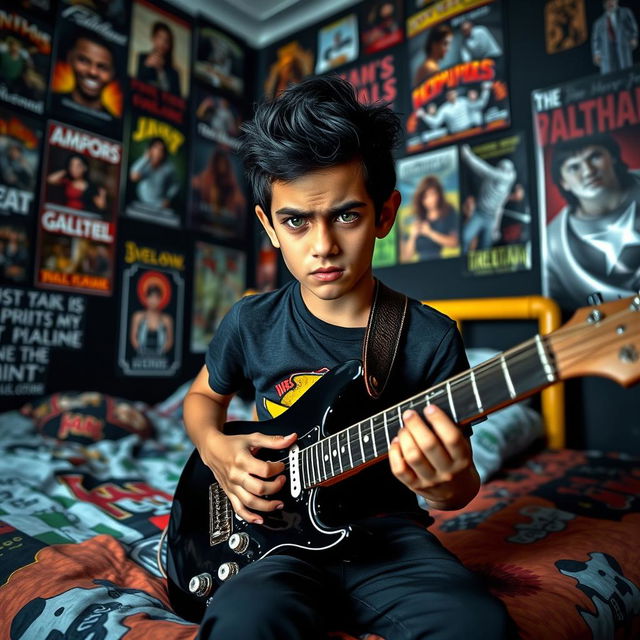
<point>382,337</point>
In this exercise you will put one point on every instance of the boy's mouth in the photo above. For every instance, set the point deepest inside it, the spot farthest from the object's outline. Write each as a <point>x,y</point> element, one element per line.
<point>327,274</point>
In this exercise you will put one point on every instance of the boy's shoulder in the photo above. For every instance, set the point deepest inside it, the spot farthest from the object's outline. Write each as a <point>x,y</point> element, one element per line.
<point>423,315</point>
<point>260,305</point>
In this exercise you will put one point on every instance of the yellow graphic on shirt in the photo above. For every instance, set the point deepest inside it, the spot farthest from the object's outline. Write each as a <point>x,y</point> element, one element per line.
<point>291,390</point>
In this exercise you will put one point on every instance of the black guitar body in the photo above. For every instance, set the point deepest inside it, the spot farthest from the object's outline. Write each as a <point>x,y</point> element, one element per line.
<point>301,524</point>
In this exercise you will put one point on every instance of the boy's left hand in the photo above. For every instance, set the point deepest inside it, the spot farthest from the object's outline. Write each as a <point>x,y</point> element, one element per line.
<point>431,456</point>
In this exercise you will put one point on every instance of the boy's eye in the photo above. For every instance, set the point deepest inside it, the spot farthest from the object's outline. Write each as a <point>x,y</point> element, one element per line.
<point>294,223</point>
<point>348,217</point>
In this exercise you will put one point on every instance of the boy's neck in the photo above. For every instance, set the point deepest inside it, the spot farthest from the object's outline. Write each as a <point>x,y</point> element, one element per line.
<point>350,310</point>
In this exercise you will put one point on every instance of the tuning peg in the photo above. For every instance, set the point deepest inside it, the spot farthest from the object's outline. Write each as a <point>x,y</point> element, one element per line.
<point>594,299</point>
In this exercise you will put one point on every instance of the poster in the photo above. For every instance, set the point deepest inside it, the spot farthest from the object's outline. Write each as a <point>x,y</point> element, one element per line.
<point>496,213</point>
<point>88,74</point>
<point>112,14</point>
<point>156,172</point>
<point>375,80</point>
<point>565,25</point>
<point>337,43</point>
<point>293,62</point>
<point>382,26</point>
<point>614,37</point>
<point>219,281</point>
<point>458,78</point>
<point>20,141</point>
<point>25,49</point>
<point>16,251</point>
<point>219,59</point>
<point>429,216</point>
<point>31,324</point>
<point>152,308</point>
<point>78,207</point>
<point>217,202</point>
<point>266,262</point>
<point>588,166</point>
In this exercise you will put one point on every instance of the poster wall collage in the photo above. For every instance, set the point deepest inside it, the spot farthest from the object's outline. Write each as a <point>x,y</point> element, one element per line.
<point>128,108</point>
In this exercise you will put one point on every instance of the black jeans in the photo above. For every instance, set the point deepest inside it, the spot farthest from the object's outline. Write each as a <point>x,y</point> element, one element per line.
<point>399,582</point>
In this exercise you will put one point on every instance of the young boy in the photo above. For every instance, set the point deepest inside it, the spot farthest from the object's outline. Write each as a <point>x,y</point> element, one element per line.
<point>322,174</point>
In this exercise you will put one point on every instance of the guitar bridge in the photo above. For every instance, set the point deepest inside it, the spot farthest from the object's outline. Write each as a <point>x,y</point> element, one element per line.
<point>220,514</point>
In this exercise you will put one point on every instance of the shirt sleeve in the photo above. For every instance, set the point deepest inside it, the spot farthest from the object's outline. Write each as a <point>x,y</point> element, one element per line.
<point>225,359</point>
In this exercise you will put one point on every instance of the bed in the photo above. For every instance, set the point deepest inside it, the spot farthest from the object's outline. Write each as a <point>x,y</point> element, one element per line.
<point>86,482</point>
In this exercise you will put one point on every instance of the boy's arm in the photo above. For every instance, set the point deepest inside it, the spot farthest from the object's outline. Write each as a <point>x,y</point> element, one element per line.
<point>242,476</point>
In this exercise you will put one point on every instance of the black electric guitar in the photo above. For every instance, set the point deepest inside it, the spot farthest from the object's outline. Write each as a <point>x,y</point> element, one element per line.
<point>207,544</point>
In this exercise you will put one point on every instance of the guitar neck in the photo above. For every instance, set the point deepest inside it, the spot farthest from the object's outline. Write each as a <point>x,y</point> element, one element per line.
<point>466,397</point>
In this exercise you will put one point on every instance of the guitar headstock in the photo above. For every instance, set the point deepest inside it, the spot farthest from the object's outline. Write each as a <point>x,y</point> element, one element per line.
<point>603,340</point>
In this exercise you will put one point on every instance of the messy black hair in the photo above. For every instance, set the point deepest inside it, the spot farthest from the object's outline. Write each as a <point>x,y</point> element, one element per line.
<point>315,124</point>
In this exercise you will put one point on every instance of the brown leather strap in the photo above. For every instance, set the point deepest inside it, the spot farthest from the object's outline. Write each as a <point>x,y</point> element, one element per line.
<point>382,338</point>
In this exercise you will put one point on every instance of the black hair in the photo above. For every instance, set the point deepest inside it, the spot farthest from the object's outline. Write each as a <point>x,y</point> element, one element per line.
<point>95,38</point>
<point>437,34</point>
<point>158,140</point>
<point>566,149</point>
<point>163,26</point>
<point>316,124</point>
<point>153,289</point>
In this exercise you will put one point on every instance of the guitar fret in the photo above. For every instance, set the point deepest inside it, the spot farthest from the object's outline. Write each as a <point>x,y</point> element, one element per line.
<point>386,430</point>
<point>335,452</point>
<point>360,440</point>
<point>451,405</point>
<point>475,391</point>
<point>321,473</point>
<point>314,468</point>
<point>349,448</point>
<point>373,439</point>
<point>507,377</point>
<point>304,467</point>
<point>326,449</point>
<point>546,365</point>
<point>342,451</point>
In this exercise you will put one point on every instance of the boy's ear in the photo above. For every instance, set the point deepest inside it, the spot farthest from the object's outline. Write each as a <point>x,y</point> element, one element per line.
<point>268,227</point>
<point>388,214</point>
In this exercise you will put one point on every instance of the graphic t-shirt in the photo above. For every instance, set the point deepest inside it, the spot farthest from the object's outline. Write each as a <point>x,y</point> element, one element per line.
<point>273,342</point>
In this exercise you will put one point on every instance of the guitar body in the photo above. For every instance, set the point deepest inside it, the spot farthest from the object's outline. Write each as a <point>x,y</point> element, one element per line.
<point>193,548</point>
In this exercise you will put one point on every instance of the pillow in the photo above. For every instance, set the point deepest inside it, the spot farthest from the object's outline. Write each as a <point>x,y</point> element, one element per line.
<point>87,417</point>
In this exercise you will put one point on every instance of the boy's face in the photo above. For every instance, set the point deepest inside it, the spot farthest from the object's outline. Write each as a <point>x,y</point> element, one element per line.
<point>325,225</point>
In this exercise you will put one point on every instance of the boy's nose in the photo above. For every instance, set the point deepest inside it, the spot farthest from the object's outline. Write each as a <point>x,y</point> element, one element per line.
<point>323,241</point>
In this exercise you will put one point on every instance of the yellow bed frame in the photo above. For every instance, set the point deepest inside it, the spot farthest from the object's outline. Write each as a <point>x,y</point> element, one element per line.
<point>547,314</point>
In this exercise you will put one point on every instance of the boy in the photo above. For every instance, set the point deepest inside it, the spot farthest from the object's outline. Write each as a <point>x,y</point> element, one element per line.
<point>322,174</point>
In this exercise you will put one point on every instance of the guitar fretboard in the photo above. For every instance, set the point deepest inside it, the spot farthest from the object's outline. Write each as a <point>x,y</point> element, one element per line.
<point>501,380</point>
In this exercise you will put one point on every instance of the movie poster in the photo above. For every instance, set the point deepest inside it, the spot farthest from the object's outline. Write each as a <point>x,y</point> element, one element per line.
<point>219,59</point>
<point>496,213</point>
<point>159,63</point>
<point>614,36</point>
<point>156,172</point>
<point>337,43</point>
<point>88,73</point>
<point>219,281</point>
<point>266,262</point>
<point>15,251</point>
<point>78,209</point>
<point>458,76</point>
<point>152,308</point>
<point>20,138</point>
<point>112,14</point>
<point>217,202</point>
<point>565,25</point>
<point>588,164</point>
<point>382,26</point>
<point>375,80</point>
<point>293,62</point>
<point>429,216</point>
<point>25,49</point>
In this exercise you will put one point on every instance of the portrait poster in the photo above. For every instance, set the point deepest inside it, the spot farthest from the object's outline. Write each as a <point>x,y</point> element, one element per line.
<point>220,59</point>
<point>291,63</point>
<point>458,75</point>
<point>496,210</point>
<point>16,250</point>
<point>160,62</point>
<point>337,43</point>
<point>152,309</point>
<point>375,79</point>
<point>588,167</point>
<point>88,71</point>
<point>429,216</point>
<point>113,14</point>
<point>78,208</point>
<point>217,200</point>
<point>156,172</point>
<point>20,146</point>
<point>565,25</point>
<point>25,52</point>
<point>382,25</point>
<point>266,262</point>
<point>219,280</point>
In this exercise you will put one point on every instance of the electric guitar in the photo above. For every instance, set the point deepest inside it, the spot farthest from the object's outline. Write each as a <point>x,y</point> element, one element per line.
<point>207,544</point>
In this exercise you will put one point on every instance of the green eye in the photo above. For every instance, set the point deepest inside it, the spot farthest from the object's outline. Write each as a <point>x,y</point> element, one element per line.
<point>348,217</point>
<point>294,223</point>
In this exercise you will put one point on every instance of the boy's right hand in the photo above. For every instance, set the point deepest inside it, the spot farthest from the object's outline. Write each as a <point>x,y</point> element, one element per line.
<point>242,476</point>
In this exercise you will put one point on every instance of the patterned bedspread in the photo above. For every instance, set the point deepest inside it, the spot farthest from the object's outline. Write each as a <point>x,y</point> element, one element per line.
<point>556,537</point>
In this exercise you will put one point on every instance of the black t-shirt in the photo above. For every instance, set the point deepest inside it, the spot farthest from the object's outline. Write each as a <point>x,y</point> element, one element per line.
<point>273,342</point>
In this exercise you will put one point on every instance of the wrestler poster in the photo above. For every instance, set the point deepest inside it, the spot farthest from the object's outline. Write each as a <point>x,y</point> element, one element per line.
<point>152,308</point>
<point>156,172</point>
<point>88,72</point>
<point>588,165</point>
<point>382,26</point>
<point>25,50</point>
<point>457,67</point>
<point>219,281</point>
<point>160,62</point>
<point>429,216</point>
<point>78,209</point>
<point>496,214</point>
<point>217,200</point>
<point>219,59</point>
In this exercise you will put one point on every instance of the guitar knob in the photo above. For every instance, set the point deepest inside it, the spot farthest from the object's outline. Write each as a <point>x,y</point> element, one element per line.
<point>239,542</point>
<point>227,570</point>
<point>201,585</point>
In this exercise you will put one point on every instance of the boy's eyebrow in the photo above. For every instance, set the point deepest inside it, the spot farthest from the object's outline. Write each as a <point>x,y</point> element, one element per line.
<point>334,211</point>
